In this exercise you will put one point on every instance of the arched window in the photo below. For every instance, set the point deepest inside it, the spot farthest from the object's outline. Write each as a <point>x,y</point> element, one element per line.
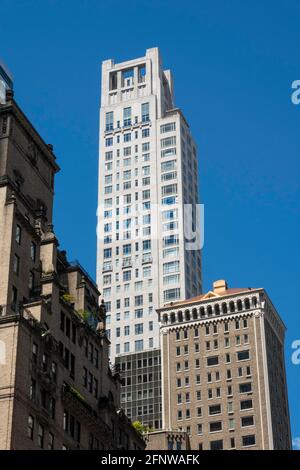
<point>231,306</point>
<point>239,305</point>
<point>194,313</point>
<point>173,317</point>
<point>187,315</point>
<point>165,319</point>
<point>247,303</point>
<point>202,312</point>
<point>180,316</point>
<point>209,311</point>
<point>217,309</point>
<point>254,301</point>
<point>224,307</point>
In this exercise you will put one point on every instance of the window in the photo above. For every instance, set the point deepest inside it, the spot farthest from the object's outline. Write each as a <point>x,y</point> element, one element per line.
<point>246,404</point>
<point>168,142</point>
<point>231,423</point>
<point>108,142</point>
<point>18,234</point>
<point>199,428</point>
<point>245,387</point>
<point>248,440</point>
<point>216,426</point>
<point>139,345</point>
<point>109,121</point>
<point>145,112</point>
<point>51,441</point>
<point>171,267</point>
<point>169,189</point>
<point>30,427</point>
<point>170,126</point>
<point>171,294</point>
<point>127,137</point>
<point>247,421</point>
<point>16,264</point>
<point>243,355</point>
<point>34,353</point>
<point>216,445</point>
<point>138,328</point>
<point>168,152</point>
<point>41,436</point>
<point>215,410</point>
<point>127,116</point>
<point>145,132</point>
<point>213,361</point>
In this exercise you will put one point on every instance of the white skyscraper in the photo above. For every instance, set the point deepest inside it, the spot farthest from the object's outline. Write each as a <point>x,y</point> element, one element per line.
<point>147,173</point>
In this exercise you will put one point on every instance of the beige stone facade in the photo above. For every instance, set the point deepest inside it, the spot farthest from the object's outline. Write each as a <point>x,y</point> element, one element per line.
<point>57,389</point>
<point>167,440</point>
<point>223,370</point>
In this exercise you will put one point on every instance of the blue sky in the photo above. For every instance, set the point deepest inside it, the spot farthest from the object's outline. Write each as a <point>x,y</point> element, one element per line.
<point>233,64</point>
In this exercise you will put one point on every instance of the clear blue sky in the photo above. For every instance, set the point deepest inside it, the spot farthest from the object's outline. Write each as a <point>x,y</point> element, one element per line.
<point>233,65</point>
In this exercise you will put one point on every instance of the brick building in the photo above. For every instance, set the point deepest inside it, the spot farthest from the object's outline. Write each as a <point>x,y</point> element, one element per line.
<point>223,370</point>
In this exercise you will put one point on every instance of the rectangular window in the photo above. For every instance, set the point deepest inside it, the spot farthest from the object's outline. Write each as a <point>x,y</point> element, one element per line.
<point>246,404</point>
<point>248,440</point>
<point>215,410</point>
<point>145,112</point>
<point>145,132</point>
<point>245,387</point>
<point>41,436</point>
<point>33,251</point>
<point>138,328</point>
<point>168,142</point>
<point>243,355</point>
<point>168,152</point>
<point>139,345</point>
<point>247,421</point>
<point>216,426</point>
<point>171,267</point>
<point>109,121</point>
<point>212,361</point>
<point>216,445</point>
<point>170,126</point>
<point>30,427</point>
<point>127,116</point>
<point>16,264</point>
<point>169,189</point>
<point>171,294</point>
<point>18,234</point>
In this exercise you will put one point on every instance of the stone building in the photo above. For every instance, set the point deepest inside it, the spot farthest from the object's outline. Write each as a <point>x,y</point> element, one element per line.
<point>147,173</point>
<point>57,389</point>
<point>223,369</point>
<point>167,440</point>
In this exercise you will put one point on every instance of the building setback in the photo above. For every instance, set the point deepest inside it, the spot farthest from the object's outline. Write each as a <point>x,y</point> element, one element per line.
<point>147,172</point>
<point>57,390</point>
<point>223,368</point>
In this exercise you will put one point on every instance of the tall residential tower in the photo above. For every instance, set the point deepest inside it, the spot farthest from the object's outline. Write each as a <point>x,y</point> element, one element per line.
<point>147,173</point>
